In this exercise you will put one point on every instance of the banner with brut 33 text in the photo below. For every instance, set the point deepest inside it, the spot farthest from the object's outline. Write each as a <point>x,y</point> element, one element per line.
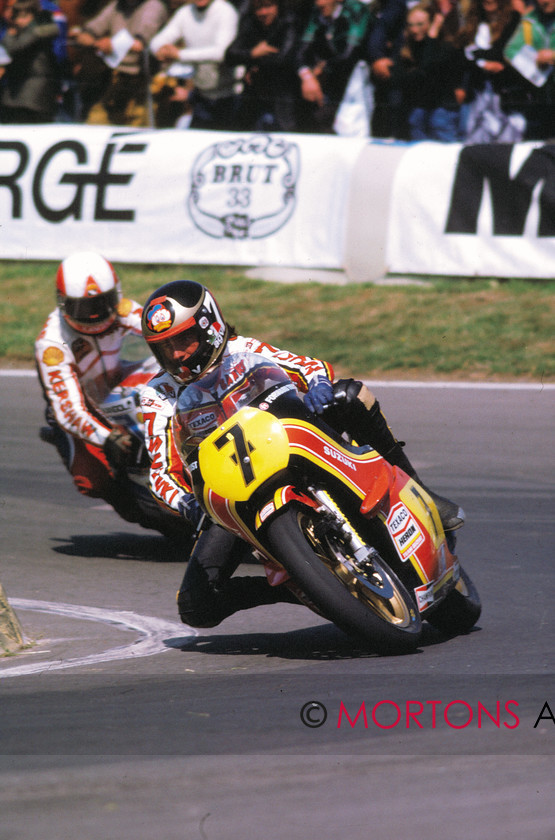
<point>174,196</point>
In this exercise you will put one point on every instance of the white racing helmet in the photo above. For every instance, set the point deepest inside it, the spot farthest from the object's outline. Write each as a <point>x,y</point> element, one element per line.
<point>88,292</point>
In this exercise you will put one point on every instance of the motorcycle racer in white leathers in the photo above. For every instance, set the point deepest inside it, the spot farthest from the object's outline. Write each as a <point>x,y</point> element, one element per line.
<point>158,399</point>
<point>188,335</point>
<point>77,355</point>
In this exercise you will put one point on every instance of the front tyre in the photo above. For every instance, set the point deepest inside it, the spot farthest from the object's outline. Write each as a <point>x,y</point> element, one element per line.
<point>459,611</point>
<point>373,606</point>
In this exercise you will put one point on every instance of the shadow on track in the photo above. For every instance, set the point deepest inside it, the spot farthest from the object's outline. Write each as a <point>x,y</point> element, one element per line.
<point>321,642</point>
<point>123,546</point>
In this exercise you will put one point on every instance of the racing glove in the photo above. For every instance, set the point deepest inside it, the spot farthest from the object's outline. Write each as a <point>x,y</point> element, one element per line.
<point>118,448</point>
<point>319,395</point>
<point>190,509</point>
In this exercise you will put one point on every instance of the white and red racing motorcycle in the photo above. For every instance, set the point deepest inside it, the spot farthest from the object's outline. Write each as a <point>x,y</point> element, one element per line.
<point>121,407</point>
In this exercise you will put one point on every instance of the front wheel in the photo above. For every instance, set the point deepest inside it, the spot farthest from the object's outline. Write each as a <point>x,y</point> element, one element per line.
<point>460,609</point>
<point>371,604</point>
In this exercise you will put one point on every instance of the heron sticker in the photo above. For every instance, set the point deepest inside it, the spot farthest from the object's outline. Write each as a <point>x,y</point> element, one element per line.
<point>244,188</point>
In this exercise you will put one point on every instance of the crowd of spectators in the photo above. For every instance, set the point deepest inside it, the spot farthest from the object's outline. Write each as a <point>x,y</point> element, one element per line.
<point>469,71</point>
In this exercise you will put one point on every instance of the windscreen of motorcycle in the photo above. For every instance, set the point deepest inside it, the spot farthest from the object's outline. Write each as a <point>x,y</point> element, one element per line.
<point>241,379</point>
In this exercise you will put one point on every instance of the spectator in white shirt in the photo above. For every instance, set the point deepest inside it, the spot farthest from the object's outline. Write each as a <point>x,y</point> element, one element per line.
<point>197,37</point>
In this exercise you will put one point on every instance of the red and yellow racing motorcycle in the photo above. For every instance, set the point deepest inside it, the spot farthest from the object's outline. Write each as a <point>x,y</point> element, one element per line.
<point>355,538</point>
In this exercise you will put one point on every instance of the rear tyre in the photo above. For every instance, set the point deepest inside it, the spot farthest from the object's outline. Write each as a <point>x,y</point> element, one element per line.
<point>459,611</point>
<point>372,605</point>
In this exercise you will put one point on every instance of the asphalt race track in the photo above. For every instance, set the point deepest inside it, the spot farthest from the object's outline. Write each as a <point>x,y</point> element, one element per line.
<point>120,723</point>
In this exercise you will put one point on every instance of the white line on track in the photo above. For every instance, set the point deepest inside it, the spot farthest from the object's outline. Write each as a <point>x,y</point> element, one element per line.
<point>478,386</point>
<point>153,633</point>
<point>403,383</point>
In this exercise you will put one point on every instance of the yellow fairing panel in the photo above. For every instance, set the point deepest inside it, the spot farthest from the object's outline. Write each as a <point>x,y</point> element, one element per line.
<point>242,453</point>
<point>419,503</point>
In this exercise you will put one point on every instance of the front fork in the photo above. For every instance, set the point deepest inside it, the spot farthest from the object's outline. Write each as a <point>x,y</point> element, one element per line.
<point>362,553</point>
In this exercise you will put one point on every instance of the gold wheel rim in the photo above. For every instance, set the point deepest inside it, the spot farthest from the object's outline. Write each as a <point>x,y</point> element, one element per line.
<point>393,610</point>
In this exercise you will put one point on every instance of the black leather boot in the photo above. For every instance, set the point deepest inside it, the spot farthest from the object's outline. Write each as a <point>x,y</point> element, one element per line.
<point>452,515</point>
<point>367,425</point>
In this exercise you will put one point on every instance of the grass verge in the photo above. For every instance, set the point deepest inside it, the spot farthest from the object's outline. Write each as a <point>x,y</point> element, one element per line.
<point>472,329</point>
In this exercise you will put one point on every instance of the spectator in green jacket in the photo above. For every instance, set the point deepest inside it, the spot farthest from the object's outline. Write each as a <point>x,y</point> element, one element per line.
<point>531,51</point>
<point>331,45</point>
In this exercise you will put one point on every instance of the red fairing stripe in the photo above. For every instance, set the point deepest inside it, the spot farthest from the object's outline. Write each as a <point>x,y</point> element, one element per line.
<point>358,470</point>
<point>220,508</point>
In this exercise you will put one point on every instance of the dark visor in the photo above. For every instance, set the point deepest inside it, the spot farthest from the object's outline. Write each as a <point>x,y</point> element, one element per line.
<point>91,310</point>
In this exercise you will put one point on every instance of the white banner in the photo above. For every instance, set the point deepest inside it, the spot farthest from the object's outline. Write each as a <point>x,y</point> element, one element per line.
<point>175,196</point>
<point>213,198</point>
<point>474,210</point>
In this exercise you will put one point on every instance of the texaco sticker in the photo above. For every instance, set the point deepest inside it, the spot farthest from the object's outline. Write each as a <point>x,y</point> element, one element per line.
<point>244,188</point>
<point>405,530</point>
